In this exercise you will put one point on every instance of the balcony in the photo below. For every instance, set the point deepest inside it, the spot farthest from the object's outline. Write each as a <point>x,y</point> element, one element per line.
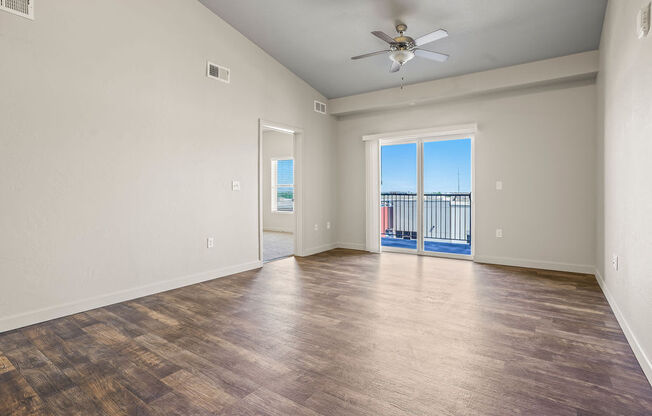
<point>446,222</point>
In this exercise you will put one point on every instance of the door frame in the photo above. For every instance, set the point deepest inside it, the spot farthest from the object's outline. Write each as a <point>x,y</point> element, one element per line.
<point>297,146</point>
<point>373,167</point>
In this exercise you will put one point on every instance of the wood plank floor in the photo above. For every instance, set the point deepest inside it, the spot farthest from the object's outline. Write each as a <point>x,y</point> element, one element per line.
<point>340,333</point>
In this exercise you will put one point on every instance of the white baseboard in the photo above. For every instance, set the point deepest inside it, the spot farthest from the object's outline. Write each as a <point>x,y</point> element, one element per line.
<point>352,246</point>
<point>639,352</point>
<point>279,230</point>
<point>318,249</point>
<point>70,308</point>
<point>326,247</point>
<point>535,264</point>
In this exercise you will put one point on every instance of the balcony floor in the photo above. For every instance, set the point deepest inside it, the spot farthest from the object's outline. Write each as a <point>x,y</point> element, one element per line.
<point>432,246</point>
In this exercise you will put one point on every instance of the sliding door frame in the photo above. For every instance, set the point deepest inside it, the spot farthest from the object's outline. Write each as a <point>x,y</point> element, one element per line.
<point>374,144</point>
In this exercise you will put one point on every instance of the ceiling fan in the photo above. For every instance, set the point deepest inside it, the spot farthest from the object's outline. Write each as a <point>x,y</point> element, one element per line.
<point>403,48</point>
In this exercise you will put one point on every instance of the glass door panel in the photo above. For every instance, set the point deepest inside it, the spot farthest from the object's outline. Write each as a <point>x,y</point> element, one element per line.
<point>398,201</point>
<point>447,196</point>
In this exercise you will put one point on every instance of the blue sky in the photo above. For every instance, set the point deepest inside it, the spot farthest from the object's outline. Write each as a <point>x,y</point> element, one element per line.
<point>442,159</point>
<point>285,172</point>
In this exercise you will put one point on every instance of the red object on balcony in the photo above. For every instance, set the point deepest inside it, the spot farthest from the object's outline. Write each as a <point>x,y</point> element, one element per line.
<point>386,219</point>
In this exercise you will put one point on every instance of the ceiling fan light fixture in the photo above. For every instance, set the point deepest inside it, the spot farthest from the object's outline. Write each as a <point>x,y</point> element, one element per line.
<point>401,56</point>
<point>403,48</point>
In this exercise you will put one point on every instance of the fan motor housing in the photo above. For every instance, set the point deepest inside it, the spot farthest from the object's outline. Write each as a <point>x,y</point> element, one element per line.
<point>404,40</point>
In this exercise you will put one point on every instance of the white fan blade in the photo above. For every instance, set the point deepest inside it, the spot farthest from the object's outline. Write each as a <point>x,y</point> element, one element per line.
<point>366,55</point>
<point>395,67</point>
<point>433,56</point>
<point>431,37</point>
<point>384,36</point>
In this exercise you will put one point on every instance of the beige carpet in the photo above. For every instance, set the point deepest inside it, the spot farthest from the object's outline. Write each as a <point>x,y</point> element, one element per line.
<point>277,245</point>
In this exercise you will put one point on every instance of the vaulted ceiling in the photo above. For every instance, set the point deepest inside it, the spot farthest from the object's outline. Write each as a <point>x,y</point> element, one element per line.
<point>315,39</point>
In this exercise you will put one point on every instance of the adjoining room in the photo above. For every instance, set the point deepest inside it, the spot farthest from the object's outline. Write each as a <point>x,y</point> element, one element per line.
<point>290,207</point>
<point>278,194</point>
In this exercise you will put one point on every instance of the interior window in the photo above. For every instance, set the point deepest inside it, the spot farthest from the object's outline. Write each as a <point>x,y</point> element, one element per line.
<point>283,185</point>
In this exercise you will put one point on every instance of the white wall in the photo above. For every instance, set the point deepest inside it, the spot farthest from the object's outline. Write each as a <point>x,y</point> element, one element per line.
<point>117,153</point>
<point>275,145</point>
<point>538,141</point>
<point>624,200</point>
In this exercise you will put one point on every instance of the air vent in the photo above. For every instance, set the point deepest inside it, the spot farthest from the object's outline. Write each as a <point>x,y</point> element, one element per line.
<point>320,107</point>
<point>24,8</point>
<point>218,72</point>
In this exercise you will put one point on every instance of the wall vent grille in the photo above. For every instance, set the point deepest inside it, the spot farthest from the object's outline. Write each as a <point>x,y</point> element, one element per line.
<point>218,72</point>
<point>320,107</point>
<point>24,8</point>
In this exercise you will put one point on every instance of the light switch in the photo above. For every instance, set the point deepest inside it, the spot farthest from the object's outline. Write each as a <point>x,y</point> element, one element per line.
<point>614,262</point>
<point>499,185</point>
<point>643,21</point>
<point>499,233</point>
<point>235,185</point>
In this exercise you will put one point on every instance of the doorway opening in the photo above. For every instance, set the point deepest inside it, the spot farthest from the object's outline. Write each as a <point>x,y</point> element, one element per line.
<point>425,196</point>
<point>279,207</point>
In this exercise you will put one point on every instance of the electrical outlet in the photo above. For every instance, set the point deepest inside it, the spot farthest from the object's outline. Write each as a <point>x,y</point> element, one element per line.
<point>316,227</point>
<point>210,242</point>
<point>499,233</point>
<point>614,262</point>
<point>235,185</point>
<point>328,225</point>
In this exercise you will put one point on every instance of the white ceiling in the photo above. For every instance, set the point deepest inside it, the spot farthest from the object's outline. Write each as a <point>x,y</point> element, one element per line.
<point>315,39</point>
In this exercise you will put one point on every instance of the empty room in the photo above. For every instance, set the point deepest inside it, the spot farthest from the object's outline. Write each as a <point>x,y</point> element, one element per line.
<point>293,207</point>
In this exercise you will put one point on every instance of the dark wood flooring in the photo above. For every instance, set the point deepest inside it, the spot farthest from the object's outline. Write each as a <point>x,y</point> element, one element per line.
<point>340,333</point>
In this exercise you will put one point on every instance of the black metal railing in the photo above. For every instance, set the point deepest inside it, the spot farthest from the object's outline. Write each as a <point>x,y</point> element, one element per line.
<point>445,216</point>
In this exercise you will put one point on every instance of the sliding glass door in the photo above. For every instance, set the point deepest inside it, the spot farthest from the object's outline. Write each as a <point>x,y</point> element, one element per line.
<point>425,199</point>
